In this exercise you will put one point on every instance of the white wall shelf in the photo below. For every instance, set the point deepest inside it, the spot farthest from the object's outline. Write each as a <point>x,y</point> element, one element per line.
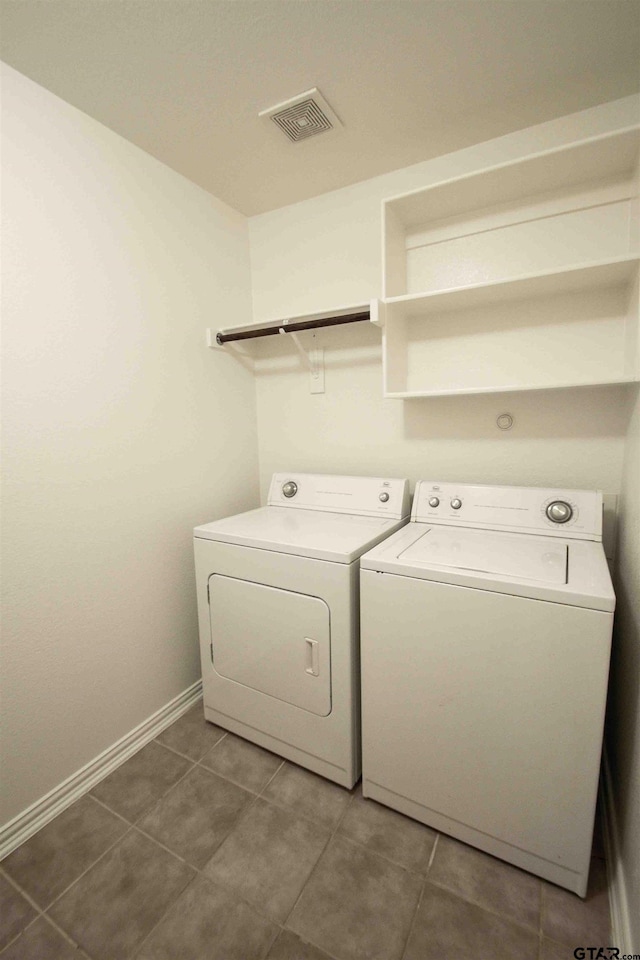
<point>520,277</point>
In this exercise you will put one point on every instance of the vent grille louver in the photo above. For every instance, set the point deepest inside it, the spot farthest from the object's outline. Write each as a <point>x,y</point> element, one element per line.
<point>303,116</point>
<point>302,121</point>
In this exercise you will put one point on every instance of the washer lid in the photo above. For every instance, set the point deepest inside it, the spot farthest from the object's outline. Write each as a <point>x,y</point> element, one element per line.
<point>581,576</point>
<point>532,558</point>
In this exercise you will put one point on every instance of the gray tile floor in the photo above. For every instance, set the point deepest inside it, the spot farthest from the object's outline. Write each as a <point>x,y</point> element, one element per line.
<point>205,847</point>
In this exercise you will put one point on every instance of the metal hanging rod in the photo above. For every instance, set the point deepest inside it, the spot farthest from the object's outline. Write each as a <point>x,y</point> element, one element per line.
<point>222,338</point>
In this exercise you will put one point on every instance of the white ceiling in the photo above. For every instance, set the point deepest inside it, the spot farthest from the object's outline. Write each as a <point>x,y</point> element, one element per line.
<point>409,79</point>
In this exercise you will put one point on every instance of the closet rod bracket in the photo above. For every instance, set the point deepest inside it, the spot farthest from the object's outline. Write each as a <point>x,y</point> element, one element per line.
<point>304,356</point>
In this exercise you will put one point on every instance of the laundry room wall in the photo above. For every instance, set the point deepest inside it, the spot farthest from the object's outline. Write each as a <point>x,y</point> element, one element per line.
<point>624,696</point>
<point>121,431</point>
<point>325,253</point>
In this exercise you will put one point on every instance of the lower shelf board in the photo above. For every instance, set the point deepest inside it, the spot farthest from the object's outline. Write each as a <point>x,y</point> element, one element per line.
<point>508,388</point>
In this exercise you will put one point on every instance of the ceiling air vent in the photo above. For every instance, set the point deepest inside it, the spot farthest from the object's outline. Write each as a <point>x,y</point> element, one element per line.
<point>303,116</point>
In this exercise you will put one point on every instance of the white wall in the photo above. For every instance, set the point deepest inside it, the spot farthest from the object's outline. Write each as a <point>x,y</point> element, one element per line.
<point>325,253</point>
<point>624,701</point>
<point>121,431</point>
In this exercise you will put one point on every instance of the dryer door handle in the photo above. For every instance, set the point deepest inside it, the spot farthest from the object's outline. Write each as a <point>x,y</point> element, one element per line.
<point>313,657</point>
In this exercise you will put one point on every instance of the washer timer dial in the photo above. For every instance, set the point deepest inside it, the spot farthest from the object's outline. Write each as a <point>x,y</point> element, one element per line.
<point>559,511</point>
<point>290,488</point>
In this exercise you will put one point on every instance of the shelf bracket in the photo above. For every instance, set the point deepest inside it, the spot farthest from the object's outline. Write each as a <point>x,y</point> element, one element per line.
<point>303,353</point>
<point>313,361</point>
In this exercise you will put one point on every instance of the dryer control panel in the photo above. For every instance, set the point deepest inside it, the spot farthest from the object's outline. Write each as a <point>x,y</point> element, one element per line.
<point>574,514</point>
<point>361,496</point>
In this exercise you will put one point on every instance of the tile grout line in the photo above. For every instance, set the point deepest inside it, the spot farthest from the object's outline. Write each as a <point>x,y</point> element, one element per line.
<point>236,783</point>
<point>20,933</point>
<point>265,953</point>
<point>272,777</point>
<point>186,756</point>
<point>40,915</point>
<point>134,826</point>
<point>76,946</point>
<point>433,855</point>
<point>543,934</point>
<point>106,806</point>
<point>162,797</point>
<point>22,892</point>
<point>159,843</point>
<point>163,916</point>
<point>420,898</point>
<point>315,866</point>
<point>63,932</point>
<point>273,801</point>
<point>484,907</point>
<point>287,809</point>
<point>366,849</point>
<point>540,930</point>
<point>201,875</point>
<point>426,879</point>
<point>90,867</point>
<point>199,871</point>
<point>156,800</point>
<point>44,912</point>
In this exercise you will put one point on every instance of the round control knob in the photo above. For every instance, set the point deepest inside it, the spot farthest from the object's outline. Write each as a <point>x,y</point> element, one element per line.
<point>456,503</point>
<point>559,511</point>
<point>383,496</point>
<point>290,488</point>
<point>434,502</point>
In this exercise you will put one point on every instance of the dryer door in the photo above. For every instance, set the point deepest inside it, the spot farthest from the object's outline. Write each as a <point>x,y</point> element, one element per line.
<point>272,640</point>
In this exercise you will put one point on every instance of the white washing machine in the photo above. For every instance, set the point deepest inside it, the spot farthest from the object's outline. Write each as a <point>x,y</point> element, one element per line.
<point>485,640</point>
<point>278,608</point>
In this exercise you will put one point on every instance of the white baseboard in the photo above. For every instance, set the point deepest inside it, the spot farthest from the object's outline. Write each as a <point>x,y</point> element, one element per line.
<point>618,897</point>
<point>35,817</point>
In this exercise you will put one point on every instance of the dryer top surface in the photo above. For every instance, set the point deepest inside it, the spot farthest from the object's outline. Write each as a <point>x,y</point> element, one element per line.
<point>321,535</point>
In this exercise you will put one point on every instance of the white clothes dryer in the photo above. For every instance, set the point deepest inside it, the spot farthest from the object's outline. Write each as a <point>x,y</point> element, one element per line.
<point>278,608</point>
<point>485,640</point>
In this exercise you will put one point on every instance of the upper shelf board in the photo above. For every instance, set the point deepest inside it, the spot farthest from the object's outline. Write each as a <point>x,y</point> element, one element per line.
<point>608,273</point>
<point>608,157</point>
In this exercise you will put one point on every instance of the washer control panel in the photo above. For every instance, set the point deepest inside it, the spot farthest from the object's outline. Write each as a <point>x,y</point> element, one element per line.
<point>362,496</point>
<point>567,513</point>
